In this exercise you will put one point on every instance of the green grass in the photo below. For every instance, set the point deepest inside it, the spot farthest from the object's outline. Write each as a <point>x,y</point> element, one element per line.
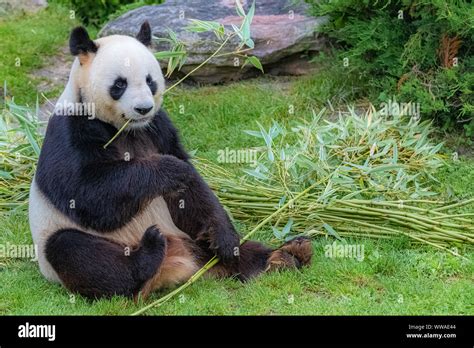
<point>394,277</point>
<point>213,118</point>
<point>26,42</point>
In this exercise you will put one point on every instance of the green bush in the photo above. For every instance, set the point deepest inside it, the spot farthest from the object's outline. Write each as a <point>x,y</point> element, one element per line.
<point>410,50</point>
<point>96,13</point>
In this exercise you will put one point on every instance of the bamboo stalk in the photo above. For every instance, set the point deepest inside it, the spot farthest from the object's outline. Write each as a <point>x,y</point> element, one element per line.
<point>456,205</point>
<point>117,134</point>
<point>200,65</point>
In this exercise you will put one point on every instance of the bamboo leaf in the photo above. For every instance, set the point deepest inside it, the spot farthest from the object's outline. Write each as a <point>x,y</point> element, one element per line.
<point>256,174</point>
<point>239,8</point>
<point>331,231</point>
<point>287,228</point>
<point>169,54</point>
<point>384,168</point>
<point>255,62</point>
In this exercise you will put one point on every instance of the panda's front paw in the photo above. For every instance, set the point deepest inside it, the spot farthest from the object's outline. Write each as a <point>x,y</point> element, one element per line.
<point>226,247</point>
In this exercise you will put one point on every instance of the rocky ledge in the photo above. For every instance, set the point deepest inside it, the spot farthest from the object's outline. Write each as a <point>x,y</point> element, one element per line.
<point>284,35</point>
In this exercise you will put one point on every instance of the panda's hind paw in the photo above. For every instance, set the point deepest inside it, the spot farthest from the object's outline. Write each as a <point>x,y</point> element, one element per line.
<point>151,253</point>
<point>300,248</point>
<point>153,239</point>
<point>295,253</point>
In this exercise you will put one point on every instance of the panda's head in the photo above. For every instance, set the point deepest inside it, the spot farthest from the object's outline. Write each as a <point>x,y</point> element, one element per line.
<point>118,75</point>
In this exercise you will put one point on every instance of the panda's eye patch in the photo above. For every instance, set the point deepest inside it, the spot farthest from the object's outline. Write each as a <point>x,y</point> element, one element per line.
<point>151,84</point>
<point>118,88</point>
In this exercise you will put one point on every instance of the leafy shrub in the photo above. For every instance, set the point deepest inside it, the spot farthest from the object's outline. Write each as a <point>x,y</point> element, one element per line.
<point>411,50</point>
<point>370,155</point>
<point>122,9</point>
<point>96,13</point>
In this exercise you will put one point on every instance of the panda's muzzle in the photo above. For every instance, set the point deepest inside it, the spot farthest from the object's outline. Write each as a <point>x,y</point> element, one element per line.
<point>138,121</point>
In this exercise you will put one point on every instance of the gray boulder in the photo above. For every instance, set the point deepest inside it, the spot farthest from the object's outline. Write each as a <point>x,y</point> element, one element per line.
<point>8,7</point>
<point>282,32</point>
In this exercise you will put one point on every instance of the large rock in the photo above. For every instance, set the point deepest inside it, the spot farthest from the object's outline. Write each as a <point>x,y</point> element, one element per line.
<point>282,32</point>
<point>8,7</point>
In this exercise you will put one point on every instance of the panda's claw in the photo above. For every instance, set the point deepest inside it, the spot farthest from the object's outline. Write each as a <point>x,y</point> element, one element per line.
<point>226,248</point>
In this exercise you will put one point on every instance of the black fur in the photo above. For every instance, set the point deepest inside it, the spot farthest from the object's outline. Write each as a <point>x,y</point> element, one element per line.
<point>253,260</point>
<point>144,35</point>
<point>202,216</point>
<point>108,191</point>
<point>96,267</point>
<point>80,43</point>
<point>151,84</point>
<point>118,88</point>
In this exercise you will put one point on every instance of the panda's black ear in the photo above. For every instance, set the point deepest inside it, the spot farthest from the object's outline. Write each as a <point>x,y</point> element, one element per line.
<point>144,35</point>
<point>80,42</point>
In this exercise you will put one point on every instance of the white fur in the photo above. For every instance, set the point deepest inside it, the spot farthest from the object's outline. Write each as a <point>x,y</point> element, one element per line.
<point>45,220</point>
<point>117,56</point>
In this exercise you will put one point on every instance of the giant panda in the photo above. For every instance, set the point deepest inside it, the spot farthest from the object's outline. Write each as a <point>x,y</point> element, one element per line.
<point>135,216</point>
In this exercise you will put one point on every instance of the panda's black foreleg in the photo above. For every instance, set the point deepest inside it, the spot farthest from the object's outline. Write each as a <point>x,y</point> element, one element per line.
<point>96,267</point>
<point>198,212</point>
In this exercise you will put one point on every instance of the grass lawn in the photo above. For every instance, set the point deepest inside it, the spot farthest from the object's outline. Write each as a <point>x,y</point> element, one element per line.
<point>394,277</point>
<point>26,42</point>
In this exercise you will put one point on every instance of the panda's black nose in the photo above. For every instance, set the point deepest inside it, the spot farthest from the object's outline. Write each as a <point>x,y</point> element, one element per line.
<point>143,111</point>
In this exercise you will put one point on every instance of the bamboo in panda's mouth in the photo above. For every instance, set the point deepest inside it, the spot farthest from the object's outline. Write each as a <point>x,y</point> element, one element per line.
<point>118,133</point>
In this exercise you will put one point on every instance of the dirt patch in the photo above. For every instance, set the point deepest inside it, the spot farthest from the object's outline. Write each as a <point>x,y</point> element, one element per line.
<point>55,71</point>
<point>456,144</point>
<point>53,75</point>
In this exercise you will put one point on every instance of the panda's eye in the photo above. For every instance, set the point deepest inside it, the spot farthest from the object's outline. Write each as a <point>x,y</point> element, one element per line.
<point>149,80</point>
<point>151,84</point>
<point>120,83</point>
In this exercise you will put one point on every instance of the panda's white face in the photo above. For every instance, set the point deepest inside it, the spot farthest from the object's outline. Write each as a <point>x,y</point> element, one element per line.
<point>123,80</point>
